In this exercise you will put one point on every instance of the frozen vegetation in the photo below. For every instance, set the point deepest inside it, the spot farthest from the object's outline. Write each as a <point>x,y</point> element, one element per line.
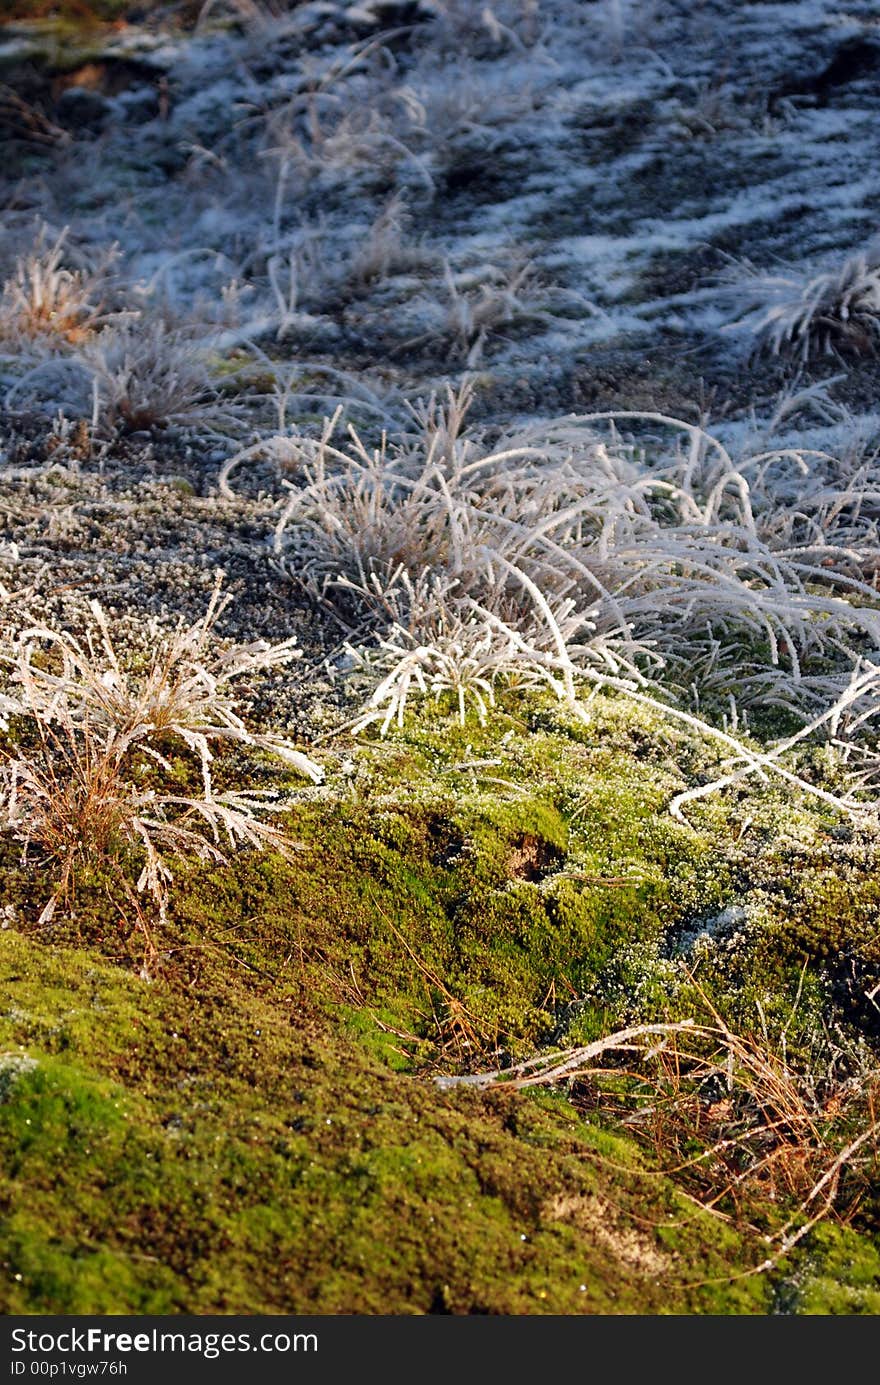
<point>440,476</point>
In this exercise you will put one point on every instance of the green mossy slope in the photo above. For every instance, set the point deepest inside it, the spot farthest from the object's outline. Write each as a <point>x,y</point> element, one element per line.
<point>208,1150</point>
<point>257,1129</point>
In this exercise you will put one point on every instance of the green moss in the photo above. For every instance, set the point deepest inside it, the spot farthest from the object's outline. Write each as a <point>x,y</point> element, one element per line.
<point>835,916</point>
<point>258,1128</point>
<point>215,1149</point>
<point>840,1274</point>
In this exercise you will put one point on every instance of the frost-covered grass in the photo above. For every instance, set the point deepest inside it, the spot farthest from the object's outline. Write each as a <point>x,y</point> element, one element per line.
<point>575,551</point>
<point>812,314</point>
<point>49,302</point>
<point>147,375</point>
<point>340,224</point>
<point>91,771</point>
<point>418,320</point>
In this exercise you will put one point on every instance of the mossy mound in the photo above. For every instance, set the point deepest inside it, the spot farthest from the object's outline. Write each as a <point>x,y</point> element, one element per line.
<point>209,1150</point>
<point>257,1128</point>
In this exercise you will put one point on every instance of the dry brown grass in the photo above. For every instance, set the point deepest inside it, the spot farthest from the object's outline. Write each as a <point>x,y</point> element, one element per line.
<point>745,1128</point>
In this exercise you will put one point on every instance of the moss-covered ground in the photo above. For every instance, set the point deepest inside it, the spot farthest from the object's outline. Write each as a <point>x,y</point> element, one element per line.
<point>257,1127</point>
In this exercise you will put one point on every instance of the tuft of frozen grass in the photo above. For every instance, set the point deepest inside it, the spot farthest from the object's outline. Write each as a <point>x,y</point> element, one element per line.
<point>327,132</point>
<point>718,108</point>
<point>450,649</point>
<point>148,374</point>
<point>306,272</point>
<point>478,303</point>
<point>360,120</point>
<point>88,770</point>
<point>485,29</point>
<point>286,275</point>
<point>810,314</point>
<point>461,113</point>
<point>420,540</point>
<point>478,310</point>
<point>184,691</point>
<point>386,249</point>
<point>568,556</point>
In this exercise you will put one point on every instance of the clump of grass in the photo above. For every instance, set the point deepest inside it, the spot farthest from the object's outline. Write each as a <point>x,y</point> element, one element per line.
<point>567,556</point>
<point>651,564</point>
<point>356,121</point>
<point>149,374</point>
<point>386,250</point>
<point>485,29</point>
<point>89,771</point>
<point>445,652</point>
<point>811,314</point>
<point>430,545</point>
<point>717,108</point>
<point>459,114</point>
<point>47,300</point>
<point>328,133</point>
<point>479,309</point>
